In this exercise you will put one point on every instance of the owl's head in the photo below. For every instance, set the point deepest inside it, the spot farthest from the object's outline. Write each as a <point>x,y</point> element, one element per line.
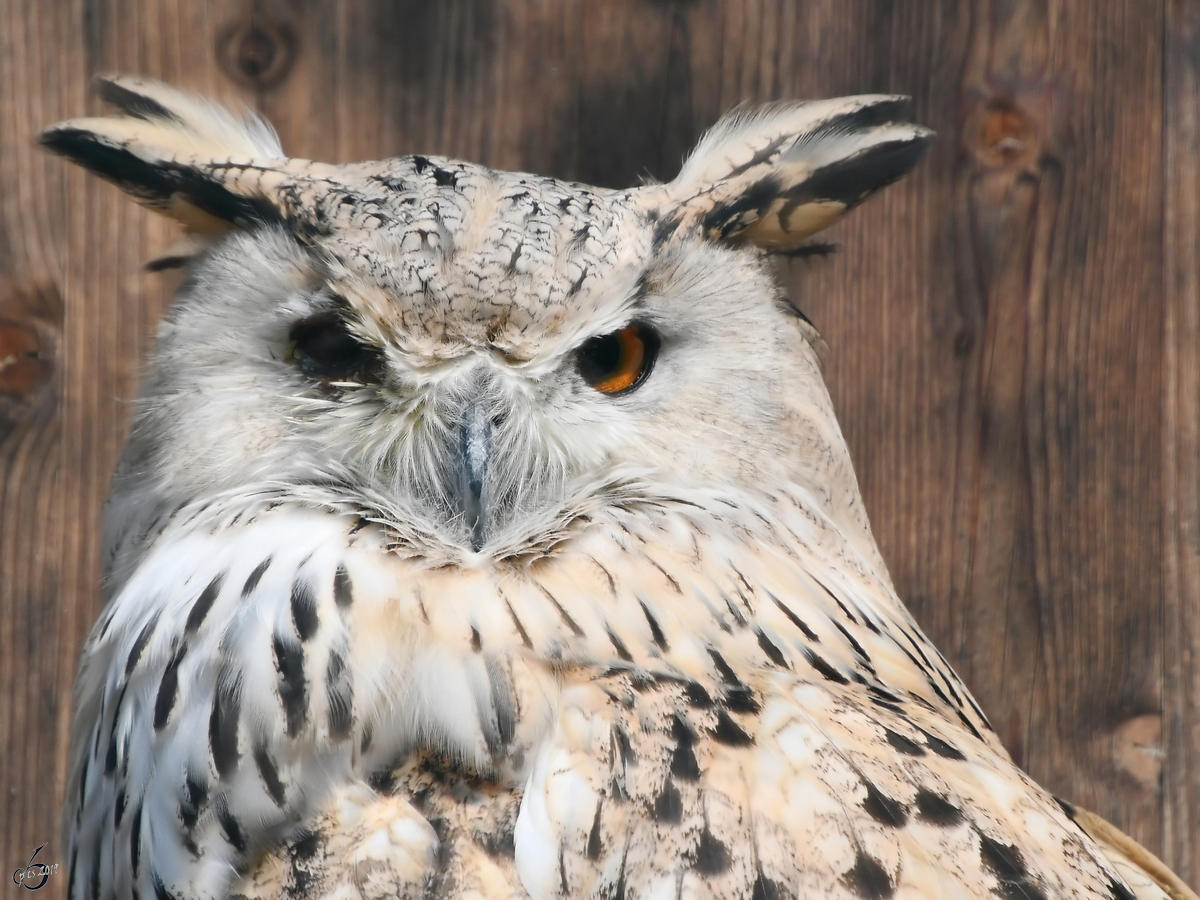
<point>483,361</point>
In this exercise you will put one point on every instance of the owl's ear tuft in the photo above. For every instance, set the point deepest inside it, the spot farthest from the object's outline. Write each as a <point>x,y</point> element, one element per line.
<point>776,174</point>
<point>175,153</point>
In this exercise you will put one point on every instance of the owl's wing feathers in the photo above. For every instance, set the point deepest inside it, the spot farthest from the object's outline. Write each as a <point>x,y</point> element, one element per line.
<point>806,762</point>
<point>643,794</point>
<point>1138,866</point>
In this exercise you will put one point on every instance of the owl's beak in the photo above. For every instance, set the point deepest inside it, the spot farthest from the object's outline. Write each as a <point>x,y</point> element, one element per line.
<point>474,452</point>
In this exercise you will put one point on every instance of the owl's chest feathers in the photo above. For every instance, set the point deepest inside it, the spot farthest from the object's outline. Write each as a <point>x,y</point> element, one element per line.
<point>304,618</point>
<point>243,671</point>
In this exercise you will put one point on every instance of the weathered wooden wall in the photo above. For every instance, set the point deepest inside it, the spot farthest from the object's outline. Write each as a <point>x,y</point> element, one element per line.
<point>1014,330</point>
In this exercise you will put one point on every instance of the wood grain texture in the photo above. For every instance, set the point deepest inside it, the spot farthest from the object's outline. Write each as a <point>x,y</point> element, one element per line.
<point>1014,330</point>
<point>1181,438</point>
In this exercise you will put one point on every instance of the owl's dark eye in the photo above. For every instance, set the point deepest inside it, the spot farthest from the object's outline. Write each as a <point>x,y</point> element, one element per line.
<point>618,362</point>
<point>323,347</point>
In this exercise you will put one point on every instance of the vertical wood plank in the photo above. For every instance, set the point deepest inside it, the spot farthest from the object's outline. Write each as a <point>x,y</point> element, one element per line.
<point>37,631</point>
<point>1181,444</point>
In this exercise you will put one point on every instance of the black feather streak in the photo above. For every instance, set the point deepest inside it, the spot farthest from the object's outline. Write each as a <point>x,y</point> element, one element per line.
<point>620,648</point>
<point>195,795</point>
<point>937,810</point>
<point>668,808</point>
<point>135,841</point>
<point>855,645</point>
<point>303,848</point>
<point>741,699</point>
<point>339,694</point>
<point>774,654</point>
<point>269,773</point>
<point>683,759</point>
<point>593,844</point>
<point>1008,865</point>
<point>143,638</point>
<point>343,588</point>
<point>656,633</point>
<point>133,103</point>
<point>968,724</point>
<point>883,808</point>
<point>727,674</point>
<point>870,879</point>
<point>231,828</point>
<point>729,732</point>
<point>168,688</point>
<point>203,604</point>
<point>255,577</point>
<point>766,889</point>
<point>827,671</point>
<point>562,613</point>
<point>1066,807</point>
<point>223,724</point>
<point>119,811</point>
<point>619,891</point>
<point>159,180</point>
<point>795,620</point>
<point>110,758</point>
<point>696,695</point>
<point>712,857</point>
<point>941,748</point>
<point>903,744</point>
<point>304,609</point>
<point>855,178</point>
<point>289,660</point>
<point>517,625</point>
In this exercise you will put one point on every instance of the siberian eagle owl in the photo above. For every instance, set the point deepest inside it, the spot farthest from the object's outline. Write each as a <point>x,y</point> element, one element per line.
<point>485,535</point>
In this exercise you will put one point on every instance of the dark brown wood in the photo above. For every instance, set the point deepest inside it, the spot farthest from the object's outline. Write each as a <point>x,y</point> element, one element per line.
<point>1014,330</point>
<point>1181,439</point>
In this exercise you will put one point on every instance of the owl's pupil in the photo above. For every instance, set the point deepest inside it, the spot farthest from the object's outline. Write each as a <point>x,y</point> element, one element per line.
<point>323,347</point>
<point>601,356</point>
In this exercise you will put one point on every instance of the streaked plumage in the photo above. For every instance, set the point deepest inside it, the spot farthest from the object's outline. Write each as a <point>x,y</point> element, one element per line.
<point>485,535</point>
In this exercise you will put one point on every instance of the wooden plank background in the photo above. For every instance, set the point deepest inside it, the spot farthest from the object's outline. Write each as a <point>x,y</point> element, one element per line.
<point>1014,330</point>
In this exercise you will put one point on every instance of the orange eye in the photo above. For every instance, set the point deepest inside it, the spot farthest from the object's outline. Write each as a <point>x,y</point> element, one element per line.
<point>618,362</point>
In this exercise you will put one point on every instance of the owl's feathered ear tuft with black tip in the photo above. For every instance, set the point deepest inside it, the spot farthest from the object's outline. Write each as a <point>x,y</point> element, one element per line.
<point>776,174</point>
<point>177,154</point>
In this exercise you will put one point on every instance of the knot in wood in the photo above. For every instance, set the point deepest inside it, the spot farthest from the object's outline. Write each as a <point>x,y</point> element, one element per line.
<point>1137,749</point>
<point>1004,136</point>
<point>256,53</point>
<point>23,366</point>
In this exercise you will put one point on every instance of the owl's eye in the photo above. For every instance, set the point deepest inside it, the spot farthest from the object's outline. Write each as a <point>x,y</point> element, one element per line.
<point>618,362</point>
<point>323,347</point>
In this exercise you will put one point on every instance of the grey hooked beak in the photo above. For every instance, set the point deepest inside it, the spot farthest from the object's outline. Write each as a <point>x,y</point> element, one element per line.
<point>475,437</point>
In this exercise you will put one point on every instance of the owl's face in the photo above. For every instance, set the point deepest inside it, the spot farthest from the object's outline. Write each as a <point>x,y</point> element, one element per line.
<point>488,361</point>
<point>483,412</point>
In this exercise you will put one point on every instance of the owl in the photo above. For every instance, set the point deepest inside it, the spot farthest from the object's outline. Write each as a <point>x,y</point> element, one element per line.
<point>483,535</point>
